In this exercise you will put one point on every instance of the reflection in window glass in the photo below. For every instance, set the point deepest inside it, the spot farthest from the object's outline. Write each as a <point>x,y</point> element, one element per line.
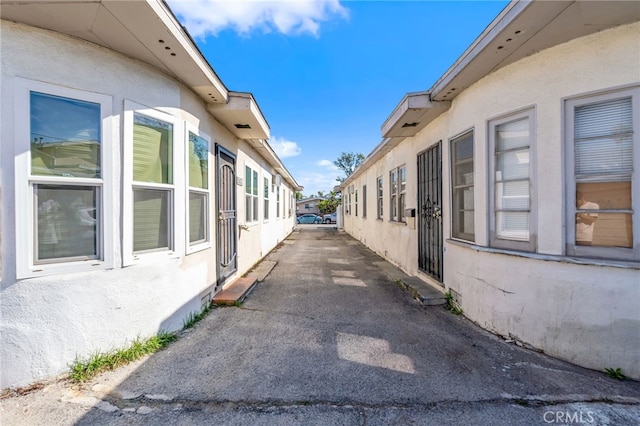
<point>65,136</point>
<point>463,199</point>
<point>66,222</point>
<point>152,150</point>
<point>198,162</point>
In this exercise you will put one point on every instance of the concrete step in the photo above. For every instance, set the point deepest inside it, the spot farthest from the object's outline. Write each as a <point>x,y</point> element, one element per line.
<point>235,292</point>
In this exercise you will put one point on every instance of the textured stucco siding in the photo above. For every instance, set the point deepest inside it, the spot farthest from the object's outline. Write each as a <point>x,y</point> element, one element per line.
<point>583,312</point>
<point>49,321</point>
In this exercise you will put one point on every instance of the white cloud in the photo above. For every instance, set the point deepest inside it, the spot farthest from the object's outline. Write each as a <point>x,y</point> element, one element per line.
<point>316,181</point>
<point>285,148</point>
<point>328,164</point>
<point>209,17</point>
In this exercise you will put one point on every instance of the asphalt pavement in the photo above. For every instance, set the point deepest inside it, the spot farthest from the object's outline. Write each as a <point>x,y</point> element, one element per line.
<point>328,338</point>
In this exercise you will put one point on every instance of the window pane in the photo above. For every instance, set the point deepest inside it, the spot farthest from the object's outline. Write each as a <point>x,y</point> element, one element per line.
<point>603,195</point>
<point>512,195</point>
<point>603,137</point>
<point>266,188</point>
<point>512,165</point>
<point>152,150</point>
<point>197,217</point>
<point>66,222</point>
<point>247,180</point>
<point>463,174</point>
<point>198,162</point>
<point>247,208</point>
<point>512,225</point>
<point>512,135</point>
<point>150,219</point>
<point>604,229</point>
<point>403,179</point>
<point>255,183</point>
<point>65,136</point>
<point>463,147</point>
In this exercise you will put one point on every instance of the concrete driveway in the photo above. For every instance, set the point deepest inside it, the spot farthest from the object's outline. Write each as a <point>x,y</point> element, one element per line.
<point>329,339</point>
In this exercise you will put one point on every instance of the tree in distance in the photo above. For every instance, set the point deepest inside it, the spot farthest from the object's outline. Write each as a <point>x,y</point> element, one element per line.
<point>348,162</point>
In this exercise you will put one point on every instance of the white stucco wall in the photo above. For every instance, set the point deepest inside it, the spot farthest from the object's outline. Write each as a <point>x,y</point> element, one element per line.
<point>48,321</point>
<point>585,312</point>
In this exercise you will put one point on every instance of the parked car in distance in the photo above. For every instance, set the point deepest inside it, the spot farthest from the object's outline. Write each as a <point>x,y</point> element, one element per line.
<point>309,218</point>
<point>329,218</point>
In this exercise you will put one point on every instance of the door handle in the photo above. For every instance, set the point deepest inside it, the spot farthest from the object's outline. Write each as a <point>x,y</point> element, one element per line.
<point>437,212</point>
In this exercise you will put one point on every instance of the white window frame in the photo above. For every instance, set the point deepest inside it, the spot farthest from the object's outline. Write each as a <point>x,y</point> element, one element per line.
<point>266,184</point>
<point>255,198</point>
<point>462,236</point>
<point>24,184</point>
<point>616,253</point>
<point>177,237</point>
<point>278,202</point>
<point>380,198</point>
<point>505,242</point>
<point>198,246</point>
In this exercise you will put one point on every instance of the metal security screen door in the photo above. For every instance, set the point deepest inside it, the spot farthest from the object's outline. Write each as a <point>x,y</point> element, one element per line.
<point>226,200</point>
<point>430,211</point>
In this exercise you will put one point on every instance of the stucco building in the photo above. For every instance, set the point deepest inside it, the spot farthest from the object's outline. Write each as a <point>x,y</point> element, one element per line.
<point>135,185</point>
<point>514,181</point>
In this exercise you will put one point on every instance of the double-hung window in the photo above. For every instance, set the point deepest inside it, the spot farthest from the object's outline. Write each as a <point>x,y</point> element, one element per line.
<point>355,198</point>
<point>398,190</point>
<point>379,194</point>
<point>251,194</point>
<point>63,214</point>
<point>278,201</point>
<point>153,183</point>
<point>462,223</point>
<point>199,192</point>
<point>603,184</point>
<point>266,198</point>
<point>511,187</point>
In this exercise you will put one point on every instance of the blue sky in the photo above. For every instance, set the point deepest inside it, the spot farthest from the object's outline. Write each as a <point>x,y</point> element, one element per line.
<point>327,73</point>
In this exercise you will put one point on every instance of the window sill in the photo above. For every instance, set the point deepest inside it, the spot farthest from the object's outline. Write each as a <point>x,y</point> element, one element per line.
<point>623,264</point>
<point>43,270</point>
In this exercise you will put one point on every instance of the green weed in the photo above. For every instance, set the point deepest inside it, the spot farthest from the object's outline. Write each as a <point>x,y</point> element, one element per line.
<point>451,304</point>
<point>83,370</point>
<point>615,373</point>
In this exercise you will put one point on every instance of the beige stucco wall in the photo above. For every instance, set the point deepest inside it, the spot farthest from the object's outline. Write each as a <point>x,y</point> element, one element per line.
<point>48,321</point>
<point>585,312</point>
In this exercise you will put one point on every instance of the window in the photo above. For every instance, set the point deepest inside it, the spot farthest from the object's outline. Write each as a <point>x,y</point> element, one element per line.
<point>603,184</point>
<point>198,205</point>
<point>292,202</point>
<point>278,201</point>
<point>398,190</point>
<point>402,172</point>
<point>63,185</point>
<point>251,194</point>
<point>355,197</point>
<point>512,222</point>
<point>462,225</point>
<point>153,183</point>
<point>266,199</point>
<point>379,196</point>
<point>364,201</point>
